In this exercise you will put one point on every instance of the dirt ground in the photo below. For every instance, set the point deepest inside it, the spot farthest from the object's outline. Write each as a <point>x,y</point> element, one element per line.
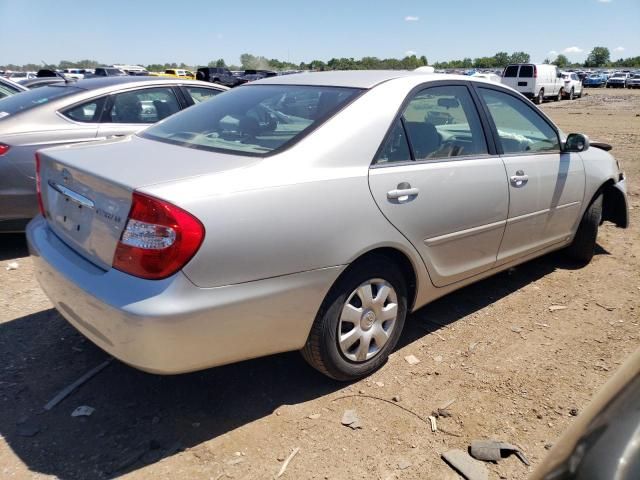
<point>515,370</point>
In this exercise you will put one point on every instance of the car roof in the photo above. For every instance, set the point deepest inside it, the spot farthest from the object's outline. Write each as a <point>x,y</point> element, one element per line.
<point>339,78</point>
<point>103,82</point>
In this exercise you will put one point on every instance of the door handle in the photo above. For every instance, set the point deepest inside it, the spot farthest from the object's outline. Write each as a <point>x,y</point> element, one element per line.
<point>117,135</point>
<point>519,179</point>
<point>402,192</point>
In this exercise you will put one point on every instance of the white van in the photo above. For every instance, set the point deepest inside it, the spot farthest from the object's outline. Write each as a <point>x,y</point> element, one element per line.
<point>535,81</point>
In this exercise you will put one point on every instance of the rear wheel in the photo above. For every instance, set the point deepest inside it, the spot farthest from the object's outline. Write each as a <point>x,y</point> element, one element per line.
<point>581,90</point>
<point>359,322</point>
<point>540,98</point>
<point>571,94</point>
<point>560,95</point>
<point>584,243</point>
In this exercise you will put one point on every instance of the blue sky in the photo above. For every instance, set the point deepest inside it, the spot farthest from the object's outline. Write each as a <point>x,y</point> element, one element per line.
<point>196,31</point>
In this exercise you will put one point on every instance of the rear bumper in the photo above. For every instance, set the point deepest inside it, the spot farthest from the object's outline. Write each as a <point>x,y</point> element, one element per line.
<point>171,326</point>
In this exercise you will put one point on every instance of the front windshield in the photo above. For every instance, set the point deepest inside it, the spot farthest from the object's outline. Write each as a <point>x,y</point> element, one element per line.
<point>33,98</point>
<point>252,120</point>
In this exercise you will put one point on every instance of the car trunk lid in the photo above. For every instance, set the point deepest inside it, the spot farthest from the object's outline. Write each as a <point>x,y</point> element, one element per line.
<point>87,190</point>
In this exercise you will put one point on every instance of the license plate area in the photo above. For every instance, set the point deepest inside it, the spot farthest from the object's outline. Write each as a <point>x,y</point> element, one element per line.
<point>522,84</point>
<point>70,215</point>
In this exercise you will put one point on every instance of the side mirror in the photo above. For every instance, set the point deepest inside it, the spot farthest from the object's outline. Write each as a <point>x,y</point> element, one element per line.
<point>576,142</point>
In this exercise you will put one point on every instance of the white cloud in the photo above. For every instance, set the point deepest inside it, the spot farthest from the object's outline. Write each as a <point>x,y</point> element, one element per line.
<point>408,53</point>
<point>411,18</point>
<point>552,53</point>
<point>618,49</point>
<point>572,50</point>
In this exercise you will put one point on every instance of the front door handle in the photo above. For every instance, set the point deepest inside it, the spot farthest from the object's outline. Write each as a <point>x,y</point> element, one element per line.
<point>519,179</point>
<point>403,192</point>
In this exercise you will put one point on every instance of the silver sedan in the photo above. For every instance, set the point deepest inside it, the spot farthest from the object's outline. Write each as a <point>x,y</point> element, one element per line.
<point>309,212</point>
<point>71,112</point>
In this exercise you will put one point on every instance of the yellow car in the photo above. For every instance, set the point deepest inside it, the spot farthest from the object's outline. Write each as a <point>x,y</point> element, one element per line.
<point>176,73</point>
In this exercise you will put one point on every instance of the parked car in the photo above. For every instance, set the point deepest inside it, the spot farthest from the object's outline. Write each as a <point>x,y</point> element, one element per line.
<point>72,112</point>
<point>617,80</point>
<point>108,72</point>
<point>535,81</point>
<point>246,229</point>
<point>252,75</point>
<point>7,87</point>
<point>572,85</point>
<point>179,73</point>
<point>75,73</point>
<point>218,75</point>
<point>602,443</point>
<point>633,81</point>
<point>595,80</point>
<point>20,76</point>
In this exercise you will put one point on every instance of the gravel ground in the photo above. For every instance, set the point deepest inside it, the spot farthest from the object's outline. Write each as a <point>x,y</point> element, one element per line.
<point>514,369</point>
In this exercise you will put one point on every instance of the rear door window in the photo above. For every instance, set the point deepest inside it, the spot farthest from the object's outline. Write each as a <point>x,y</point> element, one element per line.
<point>148,105</point>
<point>442,122</point>
<point>88,112</point>
<point>526,71</point>
<point>511,71</point>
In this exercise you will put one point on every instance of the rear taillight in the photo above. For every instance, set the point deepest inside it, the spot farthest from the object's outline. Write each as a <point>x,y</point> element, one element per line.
<point>535,72</point>
<point>39,186</point>
<point>4,148</point>
<point>158,239</point>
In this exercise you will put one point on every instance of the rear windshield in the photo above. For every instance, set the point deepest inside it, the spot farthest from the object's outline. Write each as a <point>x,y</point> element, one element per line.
<point>252,120</point>
<point>33,98</point>
<point>526,71</point>
<point>511,71</point>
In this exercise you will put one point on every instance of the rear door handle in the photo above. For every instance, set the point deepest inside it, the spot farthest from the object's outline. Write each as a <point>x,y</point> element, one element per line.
<point>403,192</point>
<point>519,179</point>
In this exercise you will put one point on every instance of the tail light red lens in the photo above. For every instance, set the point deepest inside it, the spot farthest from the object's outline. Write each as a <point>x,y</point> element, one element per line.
<point>4,148</point>
<point>158,240</point>
<point>535,72</point>
<point>39,186</point>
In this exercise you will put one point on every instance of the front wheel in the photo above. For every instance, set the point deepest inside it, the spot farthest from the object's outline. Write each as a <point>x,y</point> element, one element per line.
<point>584,243</point>
<point>359,322</point>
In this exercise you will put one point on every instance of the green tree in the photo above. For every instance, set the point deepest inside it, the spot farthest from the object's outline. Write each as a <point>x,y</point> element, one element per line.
<point>519,57</point>
<point>561,61</point>
<point>423,60</point>
<point>599,57</point>
<point>501,59</point>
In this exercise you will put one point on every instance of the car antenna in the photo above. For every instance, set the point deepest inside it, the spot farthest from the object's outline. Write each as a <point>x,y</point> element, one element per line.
<point>66,80</point>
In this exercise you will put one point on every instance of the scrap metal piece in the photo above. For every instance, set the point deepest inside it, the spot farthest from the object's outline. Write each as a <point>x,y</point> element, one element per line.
<point>465,465</point>
<point>494,451</point>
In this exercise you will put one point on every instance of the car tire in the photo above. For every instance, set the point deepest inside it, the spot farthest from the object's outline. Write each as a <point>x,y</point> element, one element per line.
<point>581,91</point>
<point>583,246</point>
<point>540,98</point>
<point>571,94</point>
<point>346,309</point>
<point>560,95</point>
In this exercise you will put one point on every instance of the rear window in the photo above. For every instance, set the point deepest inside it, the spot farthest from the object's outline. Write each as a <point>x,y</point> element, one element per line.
<point>252,120</point>
<point>526,71</point>
<point>511,71</point>
<point>33,98</point>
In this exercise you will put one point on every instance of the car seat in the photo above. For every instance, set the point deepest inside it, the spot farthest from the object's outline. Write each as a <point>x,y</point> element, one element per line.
<point>127,109</point>
<point>424,138</point>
